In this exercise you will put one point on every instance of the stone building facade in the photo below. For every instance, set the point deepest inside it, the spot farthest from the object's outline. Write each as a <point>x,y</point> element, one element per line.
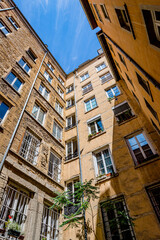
<point>49,119</point>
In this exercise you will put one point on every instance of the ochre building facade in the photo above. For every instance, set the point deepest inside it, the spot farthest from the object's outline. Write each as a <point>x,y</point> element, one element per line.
<point>51,121</point>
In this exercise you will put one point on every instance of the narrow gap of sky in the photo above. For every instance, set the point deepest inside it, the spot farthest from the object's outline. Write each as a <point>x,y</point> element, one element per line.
<point>63,26</point>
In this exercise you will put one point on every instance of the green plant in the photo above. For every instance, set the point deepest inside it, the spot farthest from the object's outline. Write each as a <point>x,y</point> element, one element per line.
<point>110,98</point>
<point>14,226</point>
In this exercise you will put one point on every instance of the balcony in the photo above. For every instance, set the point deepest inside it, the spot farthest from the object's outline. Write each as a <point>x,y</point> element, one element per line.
<point>70,126</point>
<point>71,156</point>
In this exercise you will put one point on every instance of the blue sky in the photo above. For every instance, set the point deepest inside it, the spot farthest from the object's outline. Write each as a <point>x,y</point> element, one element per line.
<point>63,26</point>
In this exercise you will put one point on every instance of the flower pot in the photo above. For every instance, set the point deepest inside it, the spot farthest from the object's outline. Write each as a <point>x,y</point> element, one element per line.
<point>13,233</point>
<point>21,237</point>
<point>109,174</point>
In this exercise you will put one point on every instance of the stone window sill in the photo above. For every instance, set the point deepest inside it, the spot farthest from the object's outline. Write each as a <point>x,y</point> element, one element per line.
<point>70,160</point>
<point>91,109</point>
<point>105,178</point>
<point>96,135</point>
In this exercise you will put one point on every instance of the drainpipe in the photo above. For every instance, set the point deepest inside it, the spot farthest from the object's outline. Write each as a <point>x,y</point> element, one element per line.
<point>79,154</point>
<point>6,9</point>
<point>17,125</point>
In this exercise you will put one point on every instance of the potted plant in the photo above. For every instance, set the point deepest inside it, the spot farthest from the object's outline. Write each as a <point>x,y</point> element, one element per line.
<point>21,236</point>
<point>109,174</point>
<point>14,229</point>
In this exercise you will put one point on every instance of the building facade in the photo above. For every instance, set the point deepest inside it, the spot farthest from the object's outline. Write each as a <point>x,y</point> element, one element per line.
<point>50,122</point>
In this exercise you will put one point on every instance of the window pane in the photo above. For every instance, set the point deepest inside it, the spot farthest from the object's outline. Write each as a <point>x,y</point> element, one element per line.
<point>101,169</point>
<point>88,106</point>
<point>92,128</point>
<point>35,111</point>
<point>27,68</point>
<point>41,89</point>
<point>17,84</point>
<point>93,102</point>
<point>10,77</point>
<point>110,93</point>
<point>5,31</point>
<point>3,109</point>
<point>116,91</point>
<point>22,62</point>
<point>41,116</point>
<point>99,125</point>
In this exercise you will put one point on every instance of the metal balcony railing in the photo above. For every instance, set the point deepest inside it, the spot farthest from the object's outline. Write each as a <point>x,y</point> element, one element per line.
<point>87,90</point>
<point>70,106</point>
<point>68,210</point>
<point>70,156</point>
<point>70,126</point>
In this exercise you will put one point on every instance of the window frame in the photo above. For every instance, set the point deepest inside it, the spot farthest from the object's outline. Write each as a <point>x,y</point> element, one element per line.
<point>87,88</point>
<point>15,78</point>
<point>4,27</point>
<point>58,126</point>
<point>100,65</point>
<point>116,116</point>
<point>38,112</point>
<point>60,92</point>
<point>94,120</point>
<point>97,12</point>
<point>13,22</point>
<point>26,63</point>
<point>89,100</point>
<point>85,75</point>
<point>105,12</point>
<point>58,106</point>
<point>6,113</point>
<point>43,91</point>
<point>111,88</point>
<point>52,173</point>
<point>32,55</point>
<point>139,145</point>
<point>106,79</point>
<point>50,66</point>
<point>124,16</point>
<point>47,76</point>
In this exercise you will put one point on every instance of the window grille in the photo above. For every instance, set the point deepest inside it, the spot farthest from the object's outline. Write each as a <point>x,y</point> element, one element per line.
<point>154,194</point>
<point>15,203</point>
<point>29,148</point>
<point>54,169</point>
<point>116,225</point>
<point>106,77</point>
<point>50,222</point>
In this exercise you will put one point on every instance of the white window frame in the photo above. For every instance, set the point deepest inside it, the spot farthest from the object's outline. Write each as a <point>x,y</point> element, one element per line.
<point>50,66</point>
<point>93,120</point>
<point>59,108</point>
<point>48,77</point>
<point>84,76</point>
<point>90,104</point>
<point>104,76</point>
<point>87,88</point>
<point>4,26</point>
<point>15,81</point>
<point>100,65</point>
<point>26,63</point>
<point>142,152</point>
<point>104,164</point>
<point>13,22</point>
<point>75,180</point>
<point>70,102</point>
<point>43,91</point>
<point>70,88</point>
<point>61,80</point>
<point>156,23</point>
<point>56,133</point>
<point>52,173</point>
<point>60,92</point>
<point>111,88</point>
<point>2,120</point>
<point>50,220</point>
<point>38,112</point>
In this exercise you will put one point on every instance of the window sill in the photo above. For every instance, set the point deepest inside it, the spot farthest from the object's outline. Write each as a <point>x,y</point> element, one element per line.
<point>105,178</point>
<point>12,87</point>
<point>127,120</point>
<point>102,69</point>
<point>23,69</point>
<point>31,57</point>
<point>156,158</point>
<point>96,135</point>
<point>70,160</point>
<point>70,107</point>
<point>91,109</point>
<point>69,92</point>
<point>66,130</point>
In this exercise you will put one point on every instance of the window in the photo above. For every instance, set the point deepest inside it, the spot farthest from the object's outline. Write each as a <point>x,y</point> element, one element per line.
<point>135,97</point>
<point>50,223</point>
<point>144,84</point>
<point>117,64</point>
<point>84,76</point>
<point>123,19</point>
<point>95,125</point>
<point>60,80</point>
<point>54,169</point>
<point>140,148</point>
<point>70,209</point>
<point>122,59</point>
<point>106,77</point>
<point>97,12</point>
<point>87,88</point>
<point>152,21</point>
<point>113,92</point>
<point>31,54</point>
<point>3,28</point>
<point>57,131</point>
<point>116,221</point>
<point>70,102</point>
<point>70,89</point>
<point>59,108</point>
<point>122,112</point>
<point>4,108</point>
<point>15,203</point>
<point>95,16</point>
<point>60,92</point>
<point>129,80</point>
<point>104,10</point>
<point>100,67</point>
<point>30,147</point>
<point>158,130</point>
<point>154,195</point>
<point>11,19</point>
<point>71,149</point>
<point>103,163</point>
<point>90,104</point>
<point>38,113</point>
<point>111,48</point>
<point>50,66</point>
<point>44,91</point>
<point>47,76</point>
<point>24,65</point>
<point>14,81</point>
<point>70,122</point>
<point>154,113</point>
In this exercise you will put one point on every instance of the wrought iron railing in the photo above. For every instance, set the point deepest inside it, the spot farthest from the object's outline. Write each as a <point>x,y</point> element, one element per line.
<point>70,126</point>
<point>70,156</point>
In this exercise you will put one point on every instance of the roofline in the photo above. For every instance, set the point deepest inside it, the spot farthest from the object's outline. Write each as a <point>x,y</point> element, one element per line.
<point>12,3</point>
<point>89,14</point>
<point>87,62</point>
